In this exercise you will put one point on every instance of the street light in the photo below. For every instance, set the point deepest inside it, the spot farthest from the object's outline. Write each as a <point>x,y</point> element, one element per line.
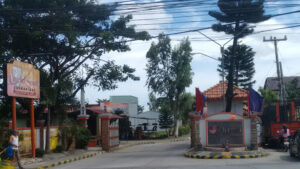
<point>222,55</point>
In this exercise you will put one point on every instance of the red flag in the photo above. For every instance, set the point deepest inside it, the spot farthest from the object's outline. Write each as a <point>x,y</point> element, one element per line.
<point>199,100</point>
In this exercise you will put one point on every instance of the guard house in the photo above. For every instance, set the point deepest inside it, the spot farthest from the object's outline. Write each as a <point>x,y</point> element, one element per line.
<point>215,127</point>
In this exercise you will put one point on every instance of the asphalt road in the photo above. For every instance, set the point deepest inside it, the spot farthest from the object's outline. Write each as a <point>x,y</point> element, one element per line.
<point>170,156</point>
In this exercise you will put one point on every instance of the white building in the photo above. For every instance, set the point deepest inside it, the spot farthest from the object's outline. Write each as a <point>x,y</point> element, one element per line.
<point>149,120</point>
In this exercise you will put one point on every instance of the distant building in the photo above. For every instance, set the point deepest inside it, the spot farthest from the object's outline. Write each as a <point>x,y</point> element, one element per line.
<point>148,120</point>
<point>215,102</point>
<point>272,83</point>
<point>132,106</point>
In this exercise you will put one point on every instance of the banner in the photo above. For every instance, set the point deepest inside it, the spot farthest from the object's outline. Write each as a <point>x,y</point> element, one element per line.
<point>23,80</point>
<point>113,107</point>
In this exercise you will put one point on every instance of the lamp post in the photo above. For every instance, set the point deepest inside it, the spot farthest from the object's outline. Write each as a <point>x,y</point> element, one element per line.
<point>222,55</point>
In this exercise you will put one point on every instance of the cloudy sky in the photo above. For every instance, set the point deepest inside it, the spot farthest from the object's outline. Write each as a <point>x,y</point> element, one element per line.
<point>177,16</point>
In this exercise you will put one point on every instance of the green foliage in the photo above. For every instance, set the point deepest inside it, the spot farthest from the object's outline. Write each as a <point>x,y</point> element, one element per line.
<point>39,152</point>
<point>243,68</point>
<point>293,91</point>
<point>237,14</point>
<point>124,125</point>
<point>21,137</point>
<point>187,101</point>
<point>165,117</point>
<point>59,42</point>
<point>82,137</point>
<point>270,97</point>
<point>4,135</point>
<point>184,130</point>
<point>169,71</point>
<point>156,135</point>
<point>59,149</point>
<point>67,133</point>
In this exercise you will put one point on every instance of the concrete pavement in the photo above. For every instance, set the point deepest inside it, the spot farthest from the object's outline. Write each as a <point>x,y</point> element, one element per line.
<point>170,156</point>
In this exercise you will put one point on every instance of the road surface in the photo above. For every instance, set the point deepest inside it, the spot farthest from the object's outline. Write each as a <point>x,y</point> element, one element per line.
<point>170,156</point>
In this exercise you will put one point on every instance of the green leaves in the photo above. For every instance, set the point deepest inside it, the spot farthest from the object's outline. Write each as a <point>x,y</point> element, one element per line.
<point>270,97</point>
<point>75,34</point>
<point>293,91</point>
<point>243,69</point>
<point>169,73</point>
<point>237,15</point>
<point>107,76</point>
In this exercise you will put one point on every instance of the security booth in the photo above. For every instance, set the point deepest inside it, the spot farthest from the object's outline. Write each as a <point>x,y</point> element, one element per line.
<point>216,128</point>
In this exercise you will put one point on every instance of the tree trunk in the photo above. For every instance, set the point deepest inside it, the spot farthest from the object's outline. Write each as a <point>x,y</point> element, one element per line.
<point>176,127</point>
<point>229,93</point>
<point>48,131</point>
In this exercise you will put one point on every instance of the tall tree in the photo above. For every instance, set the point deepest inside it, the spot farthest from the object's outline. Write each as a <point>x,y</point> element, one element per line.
<point>187,101</point>
<point>169,72</point>
<point>243,69</point>
<point>165,117</point>
<point>293,91</point>
<point>236,14</point>
<point>61,36</point>
<point>270,97</point>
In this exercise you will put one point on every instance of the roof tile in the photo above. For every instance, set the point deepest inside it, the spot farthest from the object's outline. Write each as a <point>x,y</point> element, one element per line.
<point>216,92</point>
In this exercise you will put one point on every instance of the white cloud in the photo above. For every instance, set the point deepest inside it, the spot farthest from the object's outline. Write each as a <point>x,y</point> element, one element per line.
<point>205,74</point>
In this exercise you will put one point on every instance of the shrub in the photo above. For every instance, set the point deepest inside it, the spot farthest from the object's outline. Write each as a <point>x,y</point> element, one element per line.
<point>155,135</point>
<point>59,149</point>
<point>67,133</point>
<point>82,138</point>
<point>184,130</point>
<point>39,152</point>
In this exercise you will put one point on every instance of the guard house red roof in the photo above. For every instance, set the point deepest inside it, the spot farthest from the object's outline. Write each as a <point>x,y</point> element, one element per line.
<point>215,93</point>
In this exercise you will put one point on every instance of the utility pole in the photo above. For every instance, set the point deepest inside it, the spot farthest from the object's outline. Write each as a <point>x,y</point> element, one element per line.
<point>278,65</point>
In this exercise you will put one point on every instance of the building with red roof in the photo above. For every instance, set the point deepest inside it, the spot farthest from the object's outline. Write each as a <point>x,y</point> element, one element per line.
<point>215,98</point>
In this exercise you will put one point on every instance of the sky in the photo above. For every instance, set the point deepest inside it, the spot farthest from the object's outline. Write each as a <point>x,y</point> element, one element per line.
<point>191,15</point>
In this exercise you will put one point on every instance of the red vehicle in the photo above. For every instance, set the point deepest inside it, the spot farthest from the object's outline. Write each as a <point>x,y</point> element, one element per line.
<point>271,131</point>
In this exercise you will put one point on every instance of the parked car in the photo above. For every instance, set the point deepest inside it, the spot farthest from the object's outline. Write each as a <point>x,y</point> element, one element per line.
<point>295,144</point>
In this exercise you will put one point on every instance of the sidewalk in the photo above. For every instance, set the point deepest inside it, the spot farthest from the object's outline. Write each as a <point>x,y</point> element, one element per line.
<point>55,159</point>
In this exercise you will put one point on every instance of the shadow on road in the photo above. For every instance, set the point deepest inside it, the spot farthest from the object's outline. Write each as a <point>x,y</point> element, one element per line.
<point>289,159</point>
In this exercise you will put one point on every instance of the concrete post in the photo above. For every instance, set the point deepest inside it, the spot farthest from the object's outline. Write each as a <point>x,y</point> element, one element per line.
<point>41,124</point>
<point>105,133</point>
<point>83,120</point>
<point>195,131</point>
<point>254,141</point>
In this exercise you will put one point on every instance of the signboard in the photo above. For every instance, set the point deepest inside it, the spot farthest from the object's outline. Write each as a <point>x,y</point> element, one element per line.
<point>23,80</point>
<point>113,107</point>
<point>218,132</point>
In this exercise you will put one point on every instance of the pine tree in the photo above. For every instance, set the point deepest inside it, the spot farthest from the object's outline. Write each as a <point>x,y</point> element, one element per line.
<point>165,118</point>
<point>237,14</point>
<point>243,66</point>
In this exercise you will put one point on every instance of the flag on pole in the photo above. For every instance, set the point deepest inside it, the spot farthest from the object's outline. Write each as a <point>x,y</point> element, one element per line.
<point>256,101</point>
<point>200,101</point>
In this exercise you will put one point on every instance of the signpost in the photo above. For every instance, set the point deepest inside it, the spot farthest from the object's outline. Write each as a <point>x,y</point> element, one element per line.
<point>23,80</point>
<point>220,132</point>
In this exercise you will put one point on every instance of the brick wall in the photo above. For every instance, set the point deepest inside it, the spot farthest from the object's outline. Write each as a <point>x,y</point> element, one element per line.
<point>105,134</point>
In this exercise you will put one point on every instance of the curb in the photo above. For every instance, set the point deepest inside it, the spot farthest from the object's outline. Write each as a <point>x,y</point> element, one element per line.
<point>198,156</point>
<point>67,161</point>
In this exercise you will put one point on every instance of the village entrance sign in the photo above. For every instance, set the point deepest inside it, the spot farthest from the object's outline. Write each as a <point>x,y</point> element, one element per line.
<point>23,80</point>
